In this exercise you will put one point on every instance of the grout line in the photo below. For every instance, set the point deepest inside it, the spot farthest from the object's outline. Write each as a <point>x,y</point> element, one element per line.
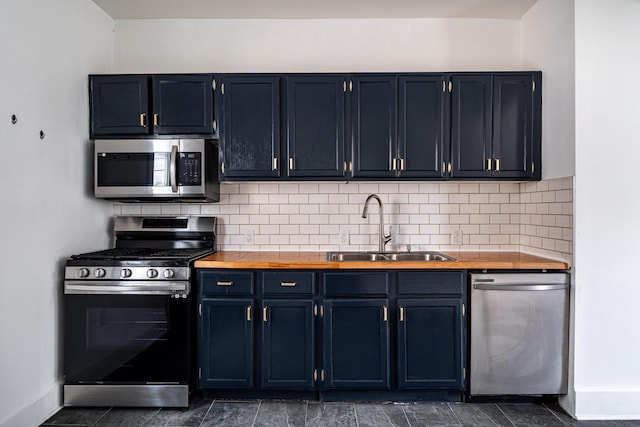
<point>103,415</point>
<point>306,411</point>
<point>406,416</point>
<point>257,411</point>
<point>554,413</point>
<point>505,415</point>
<point>355,413</point>
<point>207,413</point>
<point>454,413</point>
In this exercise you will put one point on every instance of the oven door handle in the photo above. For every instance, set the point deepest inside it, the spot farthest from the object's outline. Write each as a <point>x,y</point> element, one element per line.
<point>126,288</point>
<point>173,168</point>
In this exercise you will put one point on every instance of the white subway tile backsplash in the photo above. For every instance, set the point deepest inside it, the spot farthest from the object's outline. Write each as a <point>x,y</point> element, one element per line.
<point>151,209</point>
<point>169,209</point>
<point>305,188</point>
<point>249,209</point>
<point>278,199</point>
<point>470,209</point>
<point>268,188</point>
<point>535,217</point>
<point>499,198</point>
<point>450,209</point>
<point>190,210</point>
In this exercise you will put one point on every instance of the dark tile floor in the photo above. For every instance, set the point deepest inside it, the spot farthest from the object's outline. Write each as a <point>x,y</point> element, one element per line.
<point>267,413</point>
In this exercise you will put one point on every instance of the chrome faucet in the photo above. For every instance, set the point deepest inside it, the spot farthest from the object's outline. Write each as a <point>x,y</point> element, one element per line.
<point>382,238</point>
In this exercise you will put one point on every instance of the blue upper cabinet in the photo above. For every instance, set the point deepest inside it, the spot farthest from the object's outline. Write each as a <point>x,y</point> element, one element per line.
<point>397,126</point>
<point>183,104</point>
<point>250,132</point>
<point>470,125</point>
<point>315,140</point>
<point>495,125</point>
<point>149,105</point>
<point>512,141</point>
<point>119,105</point>
<point>366,126</point>
<point>373,125</point>
<point>421,150</point>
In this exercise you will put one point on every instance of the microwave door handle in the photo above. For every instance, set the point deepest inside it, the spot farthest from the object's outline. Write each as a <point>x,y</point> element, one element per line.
<point>173,169</point>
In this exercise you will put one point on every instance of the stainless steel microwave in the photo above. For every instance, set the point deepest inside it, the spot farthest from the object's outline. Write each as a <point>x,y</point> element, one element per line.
<point>157,170</point>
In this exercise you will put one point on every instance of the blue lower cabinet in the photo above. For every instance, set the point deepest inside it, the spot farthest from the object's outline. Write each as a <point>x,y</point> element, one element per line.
<point>430,343</point>
<point>363,334</point>
<point>287,349</point>
<point>356,343</point>
<point>226,343</point>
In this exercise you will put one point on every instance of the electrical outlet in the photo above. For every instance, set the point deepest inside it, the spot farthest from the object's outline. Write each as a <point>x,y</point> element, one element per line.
<point>248,237</point>
<point>456,237</point>
<point>344,236</point>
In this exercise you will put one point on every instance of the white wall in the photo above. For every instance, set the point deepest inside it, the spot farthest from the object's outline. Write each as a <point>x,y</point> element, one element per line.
<point>607,200</point>
<point>48,48</point>
<point>547,43</point>
<point>340,45</point>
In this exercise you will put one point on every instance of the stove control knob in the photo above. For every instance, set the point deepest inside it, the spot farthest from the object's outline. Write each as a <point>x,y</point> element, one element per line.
<point>100,272</point>
<point>168,273</point>
<point>83,272</point>
<point>151,273</point>
<point>125,272</point>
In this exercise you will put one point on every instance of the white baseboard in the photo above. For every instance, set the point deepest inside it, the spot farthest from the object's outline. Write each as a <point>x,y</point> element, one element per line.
<point>603,404</point>
<point>36,412</point>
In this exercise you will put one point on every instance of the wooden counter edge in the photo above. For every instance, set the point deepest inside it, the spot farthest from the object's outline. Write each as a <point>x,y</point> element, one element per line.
<point>251,260</point>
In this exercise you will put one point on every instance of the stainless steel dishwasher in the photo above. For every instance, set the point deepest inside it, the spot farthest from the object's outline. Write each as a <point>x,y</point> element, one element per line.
<point>519,333</point>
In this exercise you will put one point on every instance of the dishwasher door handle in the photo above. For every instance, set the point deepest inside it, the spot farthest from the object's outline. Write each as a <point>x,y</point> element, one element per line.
<point>494,287</point>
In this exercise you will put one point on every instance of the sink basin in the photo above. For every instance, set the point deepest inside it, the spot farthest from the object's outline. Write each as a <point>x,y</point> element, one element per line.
<point>388,256</point>
<point>420,256</point>
<point>356,256</point>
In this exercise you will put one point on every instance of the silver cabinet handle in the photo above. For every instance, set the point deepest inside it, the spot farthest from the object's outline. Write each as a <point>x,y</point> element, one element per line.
<point>485,287</point>
<point>223,283</point>
<point>173,170</point>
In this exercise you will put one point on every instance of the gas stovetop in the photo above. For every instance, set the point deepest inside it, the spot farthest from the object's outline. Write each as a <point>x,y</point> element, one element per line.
<point>147,248</point>
<point>144,254</point>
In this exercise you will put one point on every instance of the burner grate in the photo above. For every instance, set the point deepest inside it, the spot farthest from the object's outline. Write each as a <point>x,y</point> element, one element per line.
<point>144,253</point>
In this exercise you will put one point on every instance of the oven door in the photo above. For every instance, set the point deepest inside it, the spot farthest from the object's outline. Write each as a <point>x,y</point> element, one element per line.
<point>126,338</point>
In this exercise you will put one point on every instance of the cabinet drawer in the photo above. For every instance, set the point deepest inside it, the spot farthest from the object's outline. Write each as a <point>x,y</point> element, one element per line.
<point>355,283</point>
<point>294,282</point>
<point>431,283</point>
<point>226,282</point>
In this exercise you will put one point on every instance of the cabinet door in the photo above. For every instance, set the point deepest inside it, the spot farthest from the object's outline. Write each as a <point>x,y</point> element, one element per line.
<point>183,104</point>
<point>315,126</point>
<point>420,138</point>
<point>287,344</point>
<point>373,126</point>
<point>356,343</point>
<point>251,128</point>
<point>119,105</point>
<point>430,343</point>
<point>512,125</point>
<point>471,126</point>
<point>226,340</point>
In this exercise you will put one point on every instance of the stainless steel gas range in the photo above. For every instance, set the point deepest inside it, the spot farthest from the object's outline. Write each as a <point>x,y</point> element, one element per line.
<point>129,315</point>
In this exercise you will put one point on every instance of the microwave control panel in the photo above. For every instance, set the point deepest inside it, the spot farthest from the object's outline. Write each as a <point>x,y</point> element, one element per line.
<point>189,169</point>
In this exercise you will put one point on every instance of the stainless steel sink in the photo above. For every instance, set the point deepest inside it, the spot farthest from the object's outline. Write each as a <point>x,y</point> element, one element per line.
<point>388,256</point>
<point>356,256</point>
<point>420,256</point>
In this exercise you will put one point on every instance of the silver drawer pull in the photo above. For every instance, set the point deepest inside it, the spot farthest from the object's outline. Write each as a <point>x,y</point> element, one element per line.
<point>289,284</point>
<point>221,283</point>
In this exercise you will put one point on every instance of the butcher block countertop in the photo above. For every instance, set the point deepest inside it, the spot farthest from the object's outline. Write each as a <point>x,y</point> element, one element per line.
<point>318,260</point>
